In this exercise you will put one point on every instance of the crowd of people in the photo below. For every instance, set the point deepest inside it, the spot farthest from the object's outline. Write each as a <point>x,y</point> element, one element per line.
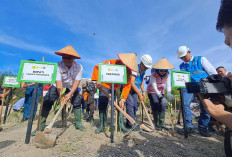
<point>69,75</point>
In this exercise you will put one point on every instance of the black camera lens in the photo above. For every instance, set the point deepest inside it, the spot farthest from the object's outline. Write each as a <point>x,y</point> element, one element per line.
<point>215,78</point>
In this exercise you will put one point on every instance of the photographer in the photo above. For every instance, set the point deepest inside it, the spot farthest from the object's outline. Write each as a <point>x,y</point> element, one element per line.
<point>90,107</point>
<point>199,67</point>
<point>224,24</point>
<point>222,71</point>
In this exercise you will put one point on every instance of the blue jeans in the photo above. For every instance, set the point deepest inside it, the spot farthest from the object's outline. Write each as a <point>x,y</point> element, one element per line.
<point>132,106</point>
<point>83,104</point>
<point>96,102</point>
<point>28,101</point>
<point>204,116</point>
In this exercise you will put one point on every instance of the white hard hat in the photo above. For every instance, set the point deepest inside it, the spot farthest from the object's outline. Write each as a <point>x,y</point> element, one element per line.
<point>182,51</point>
<point>146,60</point>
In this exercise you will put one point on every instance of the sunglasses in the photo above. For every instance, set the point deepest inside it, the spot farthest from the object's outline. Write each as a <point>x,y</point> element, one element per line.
<point>163,70</point>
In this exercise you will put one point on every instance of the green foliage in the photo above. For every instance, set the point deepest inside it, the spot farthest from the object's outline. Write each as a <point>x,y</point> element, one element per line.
<point>176,93</point>
<point>56,104</point>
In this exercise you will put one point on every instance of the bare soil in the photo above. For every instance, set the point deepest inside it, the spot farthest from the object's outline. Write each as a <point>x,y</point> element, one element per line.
<point>74,143</point>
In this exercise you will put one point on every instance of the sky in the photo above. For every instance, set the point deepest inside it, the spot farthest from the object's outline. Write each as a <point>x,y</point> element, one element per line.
<point>100,29</point>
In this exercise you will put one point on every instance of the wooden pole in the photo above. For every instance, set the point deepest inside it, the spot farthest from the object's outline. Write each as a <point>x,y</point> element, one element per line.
<point>7,105</point>
<point>41,105</point>
<point>30,121</point>
<point>148,117</point>
<point>112,114</point>
<point>116,118</point>
<point>172,119</point>
<point>175,108</point>
<point>142,110</point>
<point>63,116</point>
<point>3,99</point>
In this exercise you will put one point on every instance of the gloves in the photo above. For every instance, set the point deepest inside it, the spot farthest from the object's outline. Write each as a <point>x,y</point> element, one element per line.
<point>164,101</point>
<point>170,96</point>
<point>228,101</point>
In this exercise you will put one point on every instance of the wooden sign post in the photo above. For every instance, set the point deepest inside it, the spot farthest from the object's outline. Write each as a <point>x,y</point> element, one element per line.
<point>109,73</point>
<point>179,78</point>
<point>11,82</point>
<point>36,72</point>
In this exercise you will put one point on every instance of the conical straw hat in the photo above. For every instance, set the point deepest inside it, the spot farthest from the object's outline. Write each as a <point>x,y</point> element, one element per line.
<point>68,50</point>
<point>129,60</point>
<point>163,64</point>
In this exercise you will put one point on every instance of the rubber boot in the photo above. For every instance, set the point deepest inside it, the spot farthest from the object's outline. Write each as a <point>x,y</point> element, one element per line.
<point>122,126</point>
<point>42,122</point>
<point>78,124</point>
<point>90,117</point>
<point>102,118</point>
<point>86,115</point>
<point>161,120</point>
<point>156,121</point>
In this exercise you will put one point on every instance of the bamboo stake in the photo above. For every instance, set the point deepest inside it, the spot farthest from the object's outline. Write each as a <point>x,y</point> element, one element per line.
<point>148,117</point>
<point>41,105</point>
<point>175,108</point>
<point>116,118</point>
<point>172,119</point>
<point>3,99</point>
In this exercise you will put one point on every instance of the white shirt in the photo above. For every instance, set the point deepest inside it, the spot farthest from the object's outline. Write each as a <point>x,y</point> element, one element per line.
<point>134,73</point>
<point>206,65</point>
<point>154,85</point>
<point>68,76</point>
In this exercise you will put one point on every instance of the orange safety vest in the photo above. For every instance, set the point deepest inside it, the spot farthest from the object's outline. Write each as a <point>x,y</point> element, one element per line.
<point>126,87</point>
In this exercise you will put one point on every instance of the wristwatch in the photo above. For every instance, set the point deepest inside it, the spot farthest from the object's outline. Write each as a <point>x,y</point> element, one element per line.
<point>70,93</point>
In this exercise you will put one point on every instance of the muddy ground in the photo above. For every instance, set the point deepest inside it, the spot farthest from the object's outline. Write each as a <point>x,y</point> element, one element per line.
<point>74,143</point>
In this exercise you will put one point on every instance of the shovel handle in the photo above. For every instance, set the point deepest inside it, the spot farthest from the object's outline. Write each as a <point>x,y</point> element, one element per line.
<point>120,109</point>
<point>55,117</point>
<point>125,114</point>
<point>148,117</point>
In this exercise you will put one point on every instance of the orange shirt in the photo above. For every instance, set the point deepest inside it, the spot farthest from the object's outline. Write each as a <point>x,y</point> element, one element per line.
<point>126,87</point>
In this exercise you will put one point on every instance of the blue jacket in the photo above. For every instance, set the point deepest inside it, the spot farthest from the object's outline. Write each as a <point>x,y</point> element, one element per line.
<point>195,69</point>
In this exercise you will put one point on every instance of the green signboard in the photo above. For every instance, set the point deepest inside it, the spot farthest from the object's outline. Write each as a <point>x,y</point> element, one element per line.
<point>10,81</point>
<point>110,73</point>
<point>37,72</point>
<point>179,78</point>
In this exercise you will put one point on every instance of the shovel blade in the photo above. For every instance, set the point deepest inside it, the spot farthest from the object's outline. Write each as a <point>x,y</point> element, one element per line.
<point>44,141</point>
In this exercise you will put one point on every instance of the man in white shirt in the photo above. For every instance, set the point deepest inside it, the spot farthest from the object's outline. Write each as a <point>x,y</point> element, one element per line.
<point>199,67</point>
<point>69,74</point>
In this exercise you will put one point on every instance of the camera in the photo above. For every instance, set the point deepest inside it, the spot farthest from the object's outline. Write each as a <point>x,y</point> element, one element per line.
<point>212,84</point>
<point>90,86</point>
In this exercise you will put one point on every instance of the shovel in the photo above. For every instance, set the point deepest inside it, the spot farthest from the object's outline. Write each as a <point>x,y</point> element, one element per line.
<point>129,118</point>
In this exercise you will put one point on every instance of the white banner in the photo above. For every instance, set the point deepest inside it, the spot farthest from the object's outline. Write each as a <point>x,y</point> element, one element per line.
<point>112,73</point>
<point>37,72</point>
<point>179,79</point>
<point>11,81</point>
